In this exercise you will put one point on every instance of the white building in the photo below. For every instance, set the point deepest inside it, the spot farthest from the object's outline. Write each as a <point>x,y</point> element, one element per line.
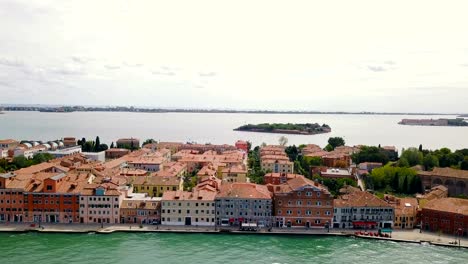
<point>3,153</point>
<point>97,156</point>
<point>359,209</point>
<point>188,208</point>
<point>65,152</point>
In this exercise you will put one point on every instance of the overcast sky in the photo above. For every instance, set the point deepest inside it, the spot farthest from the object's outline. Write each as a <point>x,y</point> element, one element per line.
<point>388,56</point>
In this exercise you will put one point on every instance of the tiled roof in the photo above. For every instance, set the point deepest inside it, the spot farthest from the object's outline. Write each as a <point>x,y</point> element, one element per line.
<point>297,183</point>
<point>360,199</point>
<point>446,172</point>
<point>203,195</point>
<point>451,205</point>
<point>244,190</point>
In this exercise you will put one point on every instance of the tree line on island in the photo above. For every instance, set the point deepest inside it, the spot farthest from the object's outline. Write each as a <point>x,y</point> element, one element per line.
<point>307,128</point>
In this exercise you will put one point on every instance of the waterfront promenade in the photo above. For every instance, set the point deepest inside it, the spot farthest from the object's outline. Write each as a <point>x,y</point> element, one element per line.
<point>406,236</point>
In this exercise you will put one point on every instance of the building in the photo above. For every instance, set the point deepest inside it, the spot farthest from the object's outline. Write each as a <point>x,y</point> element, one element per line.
<point>188,208</point>
<point>147,163</point>
<point>139,208</point>
<point>11,198</point>
<point>455,180</point>
<point>96,156</point>
<point>406,211</point>
<point>277,166</point>
<point>335,173</point>
<point>359,209</point>
<point>238,203</point>
<point>65,152</point>
<point>337,159</point>
<point>115,153</point>
<point>279,178</point>
<point>172,169</point>
<point>128,143</point>
<point>3,153</point>
<point>53,197</point>
<point>8,144</point>
<point>155,186</point>
<point>69,142</point>
<point>447,215</point>
<point>242,145</point>
<point>100,203</point>
<point>237,173</point>
<point>369,166</point>
<point>301,202</point>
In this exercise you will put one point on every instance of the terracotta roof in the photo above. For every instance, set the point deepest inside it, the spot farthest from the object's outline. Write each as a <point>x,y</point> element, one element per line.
<point>8,141</point>
<point>451,205</point>
<point>239,168</point>
<point>446,172</point>
<point>298,183</point>
<point>360,199</point>
<point>244,191</point>
<point>405,206</point>
<point>202,195</point>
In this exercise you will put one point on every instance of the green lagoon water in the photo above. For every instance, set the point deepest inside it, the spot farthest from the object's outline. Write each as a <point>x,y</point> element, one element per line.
<point>213,248</point>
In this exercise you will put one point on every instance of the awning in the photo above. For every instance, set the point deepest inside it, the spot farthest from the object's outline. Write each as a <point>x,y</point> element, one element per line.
<point>240,219</point>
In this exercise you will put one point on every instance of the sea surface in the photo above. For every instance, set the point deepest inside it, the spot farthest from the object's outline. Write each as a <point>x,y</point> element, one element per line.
<point>218,128</point>
<point>213,248</point>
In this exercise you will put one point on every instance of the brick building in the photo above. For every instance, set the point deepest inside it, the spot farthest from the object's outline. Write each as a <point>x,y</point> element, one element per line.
<point>448,215</point>
<point>302,202</point>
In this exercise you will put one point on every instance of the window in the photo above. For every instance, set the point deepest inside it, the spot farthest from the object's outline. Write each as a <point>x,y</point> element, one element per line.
<point>319,203</point>
<point>298,202</point>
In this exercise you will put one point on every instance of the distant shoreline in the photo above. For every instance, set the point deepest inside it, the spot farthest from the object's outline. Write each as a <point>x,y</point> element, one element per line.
<point>70,109</point>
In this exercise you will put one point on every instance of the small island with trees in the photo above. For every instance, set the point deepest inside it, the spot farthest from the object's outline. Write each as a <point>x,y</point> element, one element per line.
<point>300,129</point>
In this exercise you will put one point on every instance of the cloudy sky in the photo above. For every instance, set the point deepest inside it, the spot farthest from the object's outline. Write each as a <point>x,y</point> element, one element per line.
<point>287,55</point>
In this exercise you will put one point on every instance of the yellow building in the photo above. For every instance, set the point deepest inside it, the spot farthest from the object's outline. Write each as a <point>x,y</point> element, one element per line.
<point>277,166</point>
<point>234,174</point>
<point>406,210</point>
<point>155,186</point>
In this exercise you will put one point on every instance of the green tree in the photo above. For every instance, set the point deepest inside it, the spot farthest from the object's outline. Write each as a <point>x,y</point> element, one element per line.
<point>420,148</point>
<point>336,142</point>
<point>430,161</point>
<point>249,145</point>
<point>88,146</point>
<point>464,164</point>
<point>413,156</point>
<point>112,145</point>
<point>42,157</point>
<point>149,141</point>
<point>103,147</point>
<point>292,152</point>
<point>403,162</point>
<point>22,162</point>
<point>97,144</point>
<point>371,154</point>
<point>2,170</point>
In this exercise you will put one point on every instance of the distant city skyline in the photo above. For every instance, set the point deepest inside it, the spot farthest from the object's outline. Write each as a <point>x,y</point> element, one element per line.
<point>376,56</point>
